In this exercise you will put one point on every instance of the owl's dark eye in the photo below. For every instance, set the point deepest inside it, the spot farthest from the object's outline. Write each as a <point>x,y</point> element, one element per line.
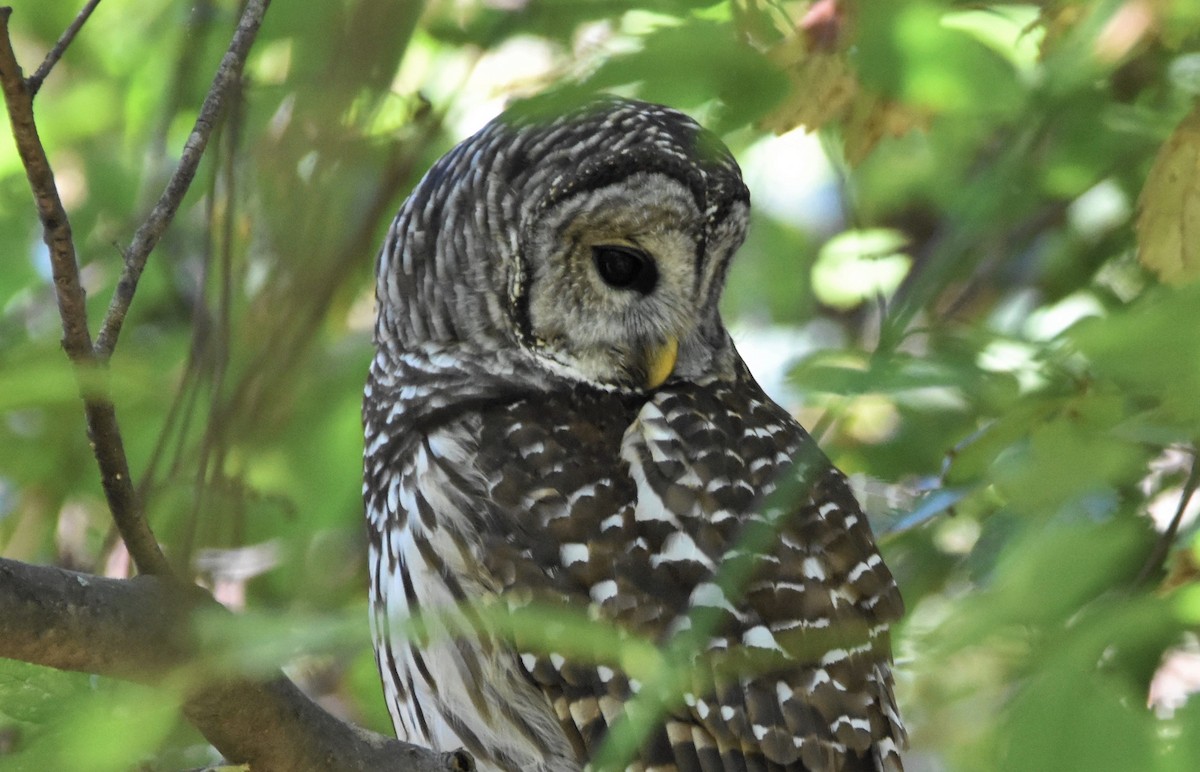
<point>624,267</point>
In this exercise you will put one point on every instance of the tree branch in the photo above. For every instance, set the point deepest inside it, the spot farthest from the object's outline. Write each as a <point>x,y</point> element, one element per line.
<point>35,80</point>
<point>229,72</point>
<point>1162,546</point>
<point>102,426</point>
<point>139,629</point>
<point>56,228</point>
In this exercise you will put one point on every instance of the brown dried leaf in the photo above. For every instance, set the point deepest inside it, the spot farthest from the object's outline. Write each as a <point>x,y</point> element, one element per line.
<point>1168,224</point>
<point>871,118</point>
<point>1058,19</point>
<point>824,88</point>
<point>1183,571</point>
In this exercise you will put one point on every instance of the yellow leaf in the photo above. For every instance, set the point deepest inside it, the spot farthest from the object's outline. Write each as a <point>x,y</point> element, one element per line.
<point>1168,224</point>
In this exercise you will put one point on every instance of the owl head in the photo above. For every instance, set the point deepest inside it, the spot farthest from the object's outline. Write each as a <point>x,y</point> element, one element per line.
<point>595,240</point>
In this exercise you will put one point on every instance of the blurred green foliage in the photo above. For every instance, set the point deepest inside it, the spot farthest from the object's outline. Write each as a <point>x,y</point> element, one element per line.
<point>961,264</point>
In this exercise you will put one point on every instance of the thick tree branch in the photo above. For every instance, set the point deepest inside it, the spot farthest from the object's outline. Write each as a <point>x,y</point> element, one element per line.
<point>229,73</point>
<point>70,621</point>
<point>139,629</point>
<point>102,426</point>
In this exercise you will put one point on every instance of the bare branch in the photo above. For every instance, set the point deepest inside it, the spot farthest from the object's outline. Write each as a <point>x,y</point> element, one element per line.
<point>102,426</point>
<point>123,502</point>
<point>56,228</point>
<point>229,73</point>
<point>35,80</point>
<point>139,629</point>
<point>61,619</point>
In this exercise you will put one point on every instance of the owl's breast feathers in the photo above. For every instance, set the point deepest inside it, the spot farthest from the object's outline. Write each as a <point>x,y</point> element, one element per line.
<point>655,514</point>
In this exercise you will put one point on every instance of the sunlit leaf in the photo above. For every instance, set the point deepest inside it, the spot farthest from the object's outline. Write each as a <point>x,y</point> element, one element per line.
<point>856,266</point>
<point>1168,222</point>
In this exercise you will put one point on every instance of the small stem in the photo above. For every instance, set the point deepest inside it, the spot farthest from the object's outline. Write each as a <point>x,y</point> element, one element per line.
<point>1162,546</point>
<point>229,72</point>
<point>35,81</point>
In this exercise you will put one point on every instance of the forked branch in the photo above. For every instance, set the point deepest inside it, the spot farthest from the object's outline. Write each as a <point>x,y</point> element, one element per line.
<point>102,427</point>
<point>229,73</point>
<point>140,628</point>
<point>34,83</point>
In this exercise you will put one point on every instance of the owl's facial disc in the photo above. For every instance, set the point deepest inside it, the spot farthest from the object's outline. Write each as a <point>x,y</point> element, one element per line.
<point>615,276</point>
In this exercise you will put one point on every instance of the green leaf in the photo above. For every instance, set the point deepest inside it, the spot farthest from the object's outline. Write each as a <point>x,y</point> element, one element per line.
<point>1144,349</point>
<point>1073,458</point>
<point>909,52</point>
<point>694,63</point>
<point>860,265</point>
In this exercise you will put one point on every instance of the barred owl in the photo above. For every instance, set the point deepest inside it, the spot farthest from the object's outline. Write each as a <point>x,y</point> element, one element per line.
<point>557,416</point>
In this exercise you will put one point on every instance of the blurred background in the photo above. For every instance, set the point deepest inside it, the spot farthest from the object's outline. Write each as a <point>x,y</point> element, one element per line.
<point>970,274</point>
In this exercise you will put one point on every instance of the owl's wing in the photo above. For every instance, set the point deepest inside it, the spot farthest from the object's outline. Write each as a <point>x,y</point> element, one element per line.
<point>810,621</point>
<point>643,515</point>
<point>636,513</point>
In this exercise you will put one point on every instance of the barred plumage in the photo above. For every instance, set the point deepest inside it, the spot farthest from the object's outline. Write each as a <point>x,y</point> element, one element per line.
<point>556,417</point>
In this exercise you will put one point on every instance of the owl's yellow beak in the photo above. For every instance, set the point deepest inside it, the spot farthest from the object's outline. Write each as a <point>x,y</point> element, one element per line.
<point>660,361</point>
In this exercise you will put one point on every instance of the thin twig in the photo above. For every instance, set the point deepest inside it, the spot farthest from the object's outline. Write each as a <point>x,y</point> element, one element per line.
<point>147,236</point>
<point>188,66</point>
<point>1162,545</point>
<point>35,80</point>
<point>102,428</point>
